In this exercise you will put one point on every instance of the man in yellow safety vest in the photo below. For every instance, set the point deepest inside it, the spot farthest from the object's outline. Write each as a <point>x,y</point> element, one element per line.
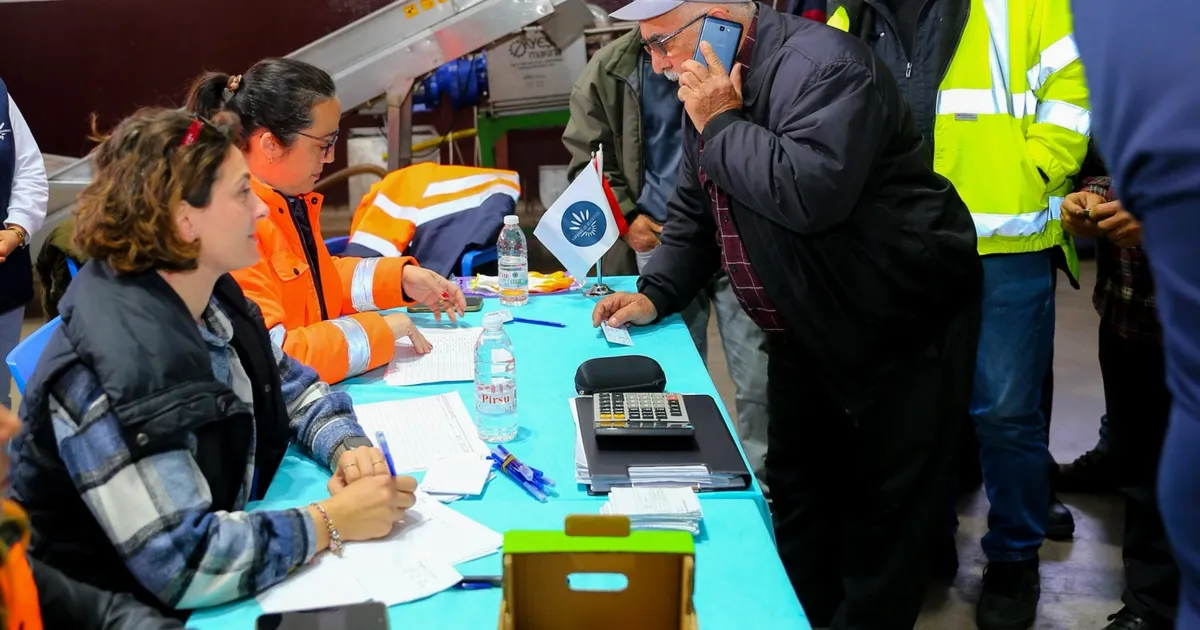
<point>997,90</point>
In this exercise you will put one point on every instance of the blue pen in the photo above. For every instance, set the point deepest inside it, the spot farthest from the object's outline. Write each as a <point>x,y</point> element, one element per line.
<point>387,452</point>
<point>515,465</point>
<point>532,489</point>
<point>474,582</point>
<point>538,322</point>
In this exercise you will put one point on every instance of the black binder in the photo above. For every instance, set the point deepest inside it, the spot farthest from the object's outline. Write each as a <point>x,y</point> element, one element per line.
<point>714,447</point>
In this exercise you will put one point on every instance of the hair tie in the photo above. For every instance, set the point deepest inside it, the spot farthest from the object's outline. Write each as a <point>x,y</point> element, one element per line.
<point>231,87</point>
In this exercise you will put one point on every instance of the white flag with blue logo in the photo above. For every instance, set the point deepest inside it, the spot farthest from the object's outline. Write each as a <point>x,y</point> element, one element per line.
<point>582,224</point>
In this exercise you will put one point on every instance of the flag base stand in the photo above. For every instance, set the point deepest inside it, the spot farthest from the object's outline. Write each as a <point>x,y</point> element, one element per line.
<point>598,289</point>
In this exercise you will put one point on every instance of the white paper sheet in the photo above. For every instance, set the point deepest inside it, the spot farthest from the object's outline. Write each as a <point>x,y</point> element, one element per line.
<point>465,475</point>
<point>417,560</point>
<point>452,358</point>
<point>421,431</point>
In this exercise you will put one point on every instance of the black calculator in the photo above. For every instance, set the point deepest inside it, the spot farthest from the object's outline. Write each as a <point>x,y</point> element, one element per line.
<point>640,415</point>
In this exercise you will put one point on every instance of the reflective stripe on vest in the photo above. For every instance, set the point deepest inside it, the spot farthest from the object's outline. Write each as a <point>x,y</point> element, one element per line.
<point>389,215</point>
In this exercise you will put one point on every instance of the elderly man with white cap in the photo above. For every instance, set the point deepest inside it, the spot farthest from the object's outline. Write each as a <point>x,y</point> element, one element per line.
<point>803,177</point>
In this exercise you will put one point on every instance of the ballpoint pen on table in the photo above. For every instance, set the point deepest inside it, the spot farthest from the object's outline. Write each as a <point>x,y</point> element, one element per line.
<point>528,473</point>
<point>538,322</point>
<point>387,452</point>
<point>532,488</point>
<point>475,582</point>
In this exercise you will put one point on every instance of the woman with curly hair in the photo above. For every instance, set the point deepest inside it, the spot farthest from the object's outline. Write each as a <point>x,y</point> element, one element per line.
<point>160,407</point>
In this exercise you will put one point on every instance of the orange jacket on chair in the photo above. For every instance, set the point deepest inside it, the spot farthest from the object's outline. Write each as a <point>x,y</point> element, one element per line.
<point>390,212</point>
<point>21,608</point>
<point>354,338</point>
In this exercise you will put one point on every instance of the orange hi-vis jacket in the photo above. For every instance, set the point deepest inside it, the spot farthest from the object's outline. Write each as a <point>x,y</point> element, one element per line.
<point>20,596</point>
<point>390,213</point>
<point>352,337</point>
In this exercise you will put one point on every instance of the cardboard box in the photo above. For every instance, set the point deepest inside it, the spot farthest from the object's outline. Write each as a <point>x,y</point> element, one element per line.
<point>659,568</point>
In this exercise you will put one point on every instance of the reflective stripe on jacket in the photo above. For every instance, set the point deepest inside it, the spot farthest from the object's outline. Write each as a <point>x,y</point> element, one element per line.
<point>390,212</point>
<point>355,338</point>
<point>1011,119</point>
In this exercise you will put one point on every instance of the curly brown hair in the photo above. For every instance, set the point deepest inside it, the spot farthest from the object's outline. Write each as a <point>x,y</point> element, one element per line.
<point>143,173</point>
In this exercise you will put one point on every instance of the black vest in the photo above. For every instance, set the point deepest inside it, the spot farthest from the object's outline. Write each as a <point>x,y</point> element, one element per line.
<point>137,336</point>
<point>16,273</point>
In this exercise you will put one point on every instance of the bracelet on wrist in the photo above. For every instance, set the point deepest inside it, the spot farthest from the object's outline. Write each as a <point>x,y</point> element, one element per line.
<point>335,539</point>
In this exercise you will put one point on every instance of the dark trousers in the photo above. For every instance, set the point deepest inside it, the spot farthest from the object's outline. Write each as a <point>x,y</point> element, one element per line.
<point>859,503</point>
<point>1135,392</point>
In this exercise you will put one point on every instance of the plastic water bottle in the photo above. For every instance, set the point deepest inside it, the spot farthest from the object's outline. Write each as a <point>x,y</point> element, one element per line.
<point>513,260</point>
<point>495,383</point>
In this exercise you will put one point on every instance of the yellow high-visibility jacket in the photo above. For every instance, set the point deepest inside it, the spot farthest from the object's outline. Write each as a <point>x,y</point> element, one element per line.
<point>1011,121</point>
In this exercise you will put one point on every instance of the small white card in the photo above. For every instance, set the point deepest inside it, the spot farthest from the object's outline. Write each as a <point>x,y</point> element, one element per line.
<point>457,476</point>
<point>619,336</point>
<point>505,314</point>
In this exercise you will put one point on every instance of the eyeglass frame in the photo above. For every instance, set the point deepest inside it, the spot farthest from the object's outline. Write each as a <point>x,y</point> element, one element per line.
<point>326,148</point>
<point>659,42</point>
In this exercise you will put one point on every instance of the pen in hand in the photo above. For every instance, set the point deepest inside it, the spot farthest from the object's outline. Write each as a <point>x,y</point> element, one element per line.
<point>387,452</point>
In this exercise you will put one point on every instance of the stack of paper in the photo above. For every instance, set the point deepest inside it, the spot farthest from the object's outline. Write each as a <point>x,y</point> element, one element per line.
<point>416,561</point>
<point>656,508</point>
<point>421,431</point>
<point>452,358</point>
<point>695,476</point>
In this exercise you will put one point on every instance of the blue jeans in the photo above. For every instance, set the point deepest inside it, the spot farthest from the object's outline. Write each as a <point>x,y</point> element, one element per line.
<point>1016,340</point>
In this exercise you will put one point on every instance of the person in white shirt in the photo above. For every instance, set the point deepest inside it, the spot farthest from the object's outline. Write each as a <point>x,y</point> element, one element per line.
<point>24,193</point>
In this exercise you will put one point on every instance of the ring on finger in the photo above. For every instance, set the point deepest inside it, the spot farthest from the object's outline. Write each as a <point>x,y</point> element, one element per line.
<point>377,462</point>
<point>350,464</point>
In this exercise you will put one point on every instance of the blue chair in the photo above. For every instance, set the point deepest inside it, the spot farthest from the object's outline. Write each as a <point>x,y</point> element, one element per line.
<point>473,259</point>
<point>24,358</point>
<point>337,245</point>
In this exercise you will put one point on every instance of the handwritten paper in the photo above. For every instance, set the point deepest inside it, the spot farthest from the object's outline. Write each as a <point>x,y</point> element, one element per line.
<point>416,561</point>
<point>421,431</point>
<point>452,358</point>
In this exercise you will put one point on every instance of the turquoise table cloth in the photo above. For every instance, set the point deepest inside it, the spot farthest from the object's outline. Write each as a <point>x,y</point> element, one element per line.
<point>740,581</point>
<point>546,362</point>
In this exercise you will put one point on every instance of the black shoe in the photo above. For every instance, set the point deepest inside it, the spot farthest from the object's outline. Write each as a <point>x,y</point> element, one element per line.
<point>1060,523</point>
<point>1092,472</point>
<point>1126,620</point>
<point>1010,596</point>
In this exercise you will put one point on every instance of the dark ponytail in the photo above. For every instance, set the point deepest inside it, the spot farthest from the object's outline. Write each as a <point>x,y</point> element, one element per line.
<point>275,94</point>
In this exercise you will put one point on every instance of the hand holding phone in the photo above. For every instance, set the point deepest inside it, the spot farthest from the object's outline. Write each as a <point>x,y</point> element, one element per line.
<point>724,37</point>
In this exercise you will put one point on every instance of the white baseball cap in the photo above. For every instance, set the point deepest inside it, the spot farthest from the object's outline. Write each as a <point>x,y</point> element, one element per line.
<point>642,10</point>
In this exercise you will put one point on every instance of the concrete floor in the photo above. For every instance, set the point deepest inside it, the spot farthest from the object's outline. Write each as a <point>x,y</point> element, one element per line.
<point>1081,580</point>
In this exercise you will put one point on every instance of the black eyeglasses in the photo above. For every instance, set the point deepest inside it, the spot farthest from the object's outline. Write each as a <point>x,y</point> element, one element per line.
<point>327,141</point>
<point>659,42</point>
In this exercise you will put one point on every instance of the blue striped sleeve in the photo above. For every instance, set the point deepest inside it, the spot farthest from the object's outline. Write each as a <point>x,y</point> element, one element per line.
<point>321,419</point>
<point>157,509</point>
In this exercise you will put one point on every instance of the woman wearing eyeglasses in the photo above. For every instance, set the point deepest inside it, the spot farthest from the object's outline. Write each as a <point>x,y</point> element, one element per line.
<point>321,309</point>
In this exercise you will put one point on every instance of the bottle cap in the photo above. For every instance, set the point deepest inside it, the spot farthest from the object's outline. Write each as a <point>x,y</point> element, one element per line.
<point>511,219</point>
<point>493,321</point>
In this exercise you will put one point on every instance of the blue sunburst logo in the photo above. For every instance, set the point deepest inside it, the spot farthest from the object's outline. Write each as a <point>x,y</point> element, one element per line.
<point>584,224</point>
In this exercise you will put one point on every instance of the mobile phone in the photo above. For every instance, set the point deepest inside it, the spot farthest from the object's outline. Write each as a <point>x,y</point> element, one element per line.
<point>473,304</point>
<point>365,616</point>
<point>724,37</point>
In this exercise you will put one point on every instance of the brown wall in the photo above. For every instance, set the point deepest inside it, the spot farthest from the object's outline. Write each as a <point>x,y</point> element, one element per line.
<point>64,60</point>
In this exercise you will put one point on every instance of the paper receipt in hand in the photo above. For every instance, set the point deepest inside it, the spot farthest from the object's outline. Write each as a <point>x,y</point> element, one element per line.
<point>619,336</point>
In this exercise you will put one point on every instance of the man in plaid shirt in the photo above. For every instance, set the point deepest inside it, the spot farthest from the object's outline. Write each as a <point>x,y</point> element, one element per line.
<point>1136,396</point>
